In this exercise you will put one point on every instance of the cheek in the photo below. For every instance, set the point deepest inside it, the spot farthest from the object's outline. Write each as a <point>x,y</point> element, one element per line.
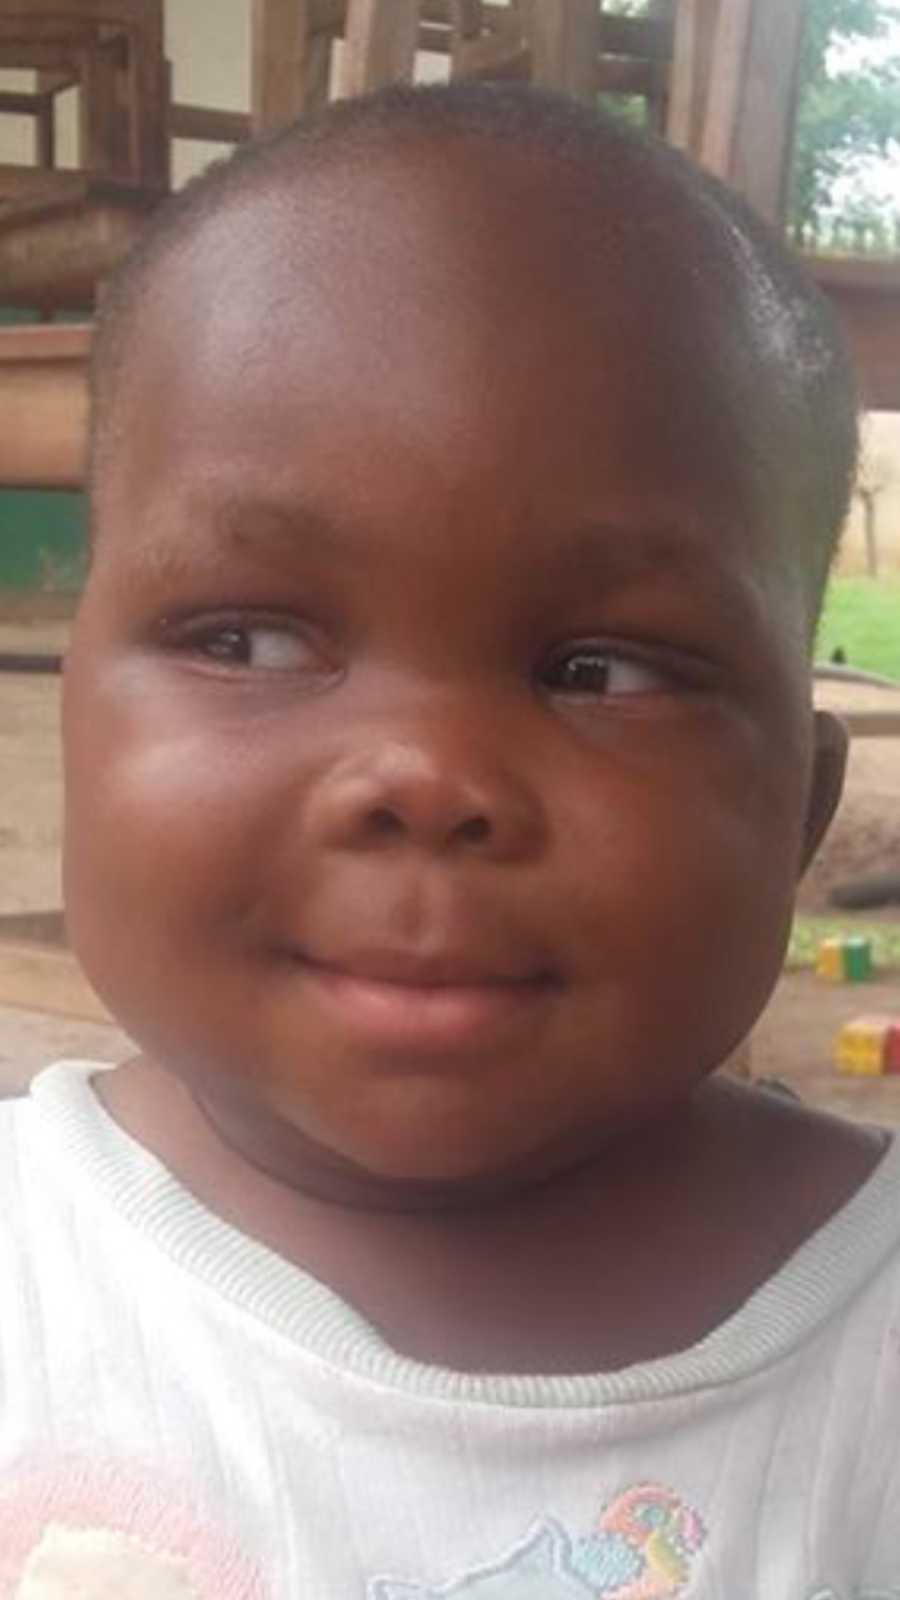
<point>682,879</point>
<point>165,835</point>
<point>167,861</point>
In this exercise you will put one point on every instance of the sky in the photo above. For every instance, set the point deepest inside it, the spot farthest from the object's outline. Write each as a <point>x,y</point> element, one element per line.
<point>882,177</point>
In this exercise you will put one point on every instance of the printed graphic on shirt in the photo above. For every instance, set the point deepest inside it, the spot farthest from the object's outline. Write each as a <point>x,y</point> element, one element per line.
<point>644,1547</point>
<point>110,1532</point>
<point>94,1563</point>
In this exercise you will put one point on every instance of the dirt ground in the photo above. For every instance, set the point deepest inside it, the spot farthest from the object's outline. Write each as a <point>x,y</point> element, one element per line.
<point>794,1040</point>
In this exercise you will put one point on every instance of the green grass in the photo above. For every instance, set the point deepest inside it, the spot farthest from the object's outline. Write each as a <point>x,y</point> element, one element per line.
<point>808,932</point>
<point>862,615</point>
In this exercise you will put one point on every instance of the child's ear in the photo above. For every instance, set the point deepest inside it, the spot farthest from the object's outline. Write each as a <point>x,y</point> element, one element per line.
<point>827,782</point>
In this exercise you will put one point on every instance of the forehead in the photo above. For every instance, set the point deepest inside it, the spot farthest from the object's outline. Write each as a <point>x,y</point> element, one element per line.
<point>473,317</point>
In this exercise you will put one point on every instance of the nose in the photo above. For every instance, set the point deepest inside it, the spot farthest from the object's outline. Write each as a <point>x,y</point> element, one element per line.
<point>400,795</point>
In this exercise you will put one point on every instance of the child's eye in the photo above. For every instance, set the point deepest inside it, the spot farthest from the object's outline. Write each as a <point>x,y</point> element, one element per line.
<point>272,649</point>
<point>593,671</point>
<point>266,645</point>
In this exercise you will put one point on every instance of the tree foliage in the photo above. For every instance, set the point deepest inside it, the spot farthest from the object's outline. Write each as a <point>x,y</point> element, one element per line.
<point>848,118</point>
<point>848,113</point>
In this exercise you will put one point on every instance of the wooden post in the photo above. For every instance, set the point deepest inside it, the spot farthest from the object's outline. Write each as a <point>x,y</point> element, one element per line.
<point>564,39</point>
<point>695,32</point>
<point>379,44</point>
<point>317,72</point>
<point>148,101</point>
<point>45,133</point>
<point>284,55</point>
<point>98,115</point>
<point>752,99</point>
<point>730,50</point>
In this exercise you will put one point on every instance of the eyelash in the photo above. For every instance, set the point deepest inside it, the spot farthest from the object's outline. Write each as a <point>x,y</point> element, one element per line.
<point>675,671</point>
<point>588,656</point>
<point>194,636</point>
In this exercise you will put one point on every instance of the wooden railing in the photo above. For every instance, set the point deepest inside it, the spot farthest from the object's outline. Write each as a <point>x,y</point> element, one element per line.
<point>872,724</point>
<point>43,406</point>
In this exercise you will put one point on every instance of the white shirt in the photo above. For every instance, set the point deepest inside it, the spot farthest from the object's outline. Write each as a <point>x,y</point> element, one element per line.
<point>186,1416</point>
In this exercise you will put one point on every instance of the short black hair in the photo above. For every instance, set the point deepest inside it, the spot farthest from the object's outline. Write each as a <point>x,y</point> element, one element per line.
<point>787,313</point>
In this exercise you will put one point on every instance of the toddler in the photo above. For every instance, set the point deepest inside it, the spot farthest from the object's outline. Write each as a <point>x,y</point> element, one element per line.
<point>440,766</point>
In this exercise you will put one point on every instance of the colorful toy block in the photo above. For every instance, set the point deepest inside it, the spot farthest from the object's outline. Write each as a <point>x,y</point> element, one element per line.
<point>845,960</point>
<point>830,961</point>
<point>867,1045</point>
<point>857,960</point>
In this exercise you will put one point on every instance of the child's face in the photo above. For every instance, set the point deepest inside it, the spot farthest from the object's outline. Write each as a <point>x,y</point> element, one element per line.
<point>438,744</point>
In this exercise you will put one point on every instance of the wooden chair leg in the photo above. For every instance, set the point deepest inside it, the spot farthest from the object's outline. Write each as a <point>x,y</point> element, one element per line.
<point>148,82</point>
<point>281,42</point>
<point>98,114</point>
<point>379,44</point>
<point>317,72</point>
<point>45,134</point>
<point>564,36</point>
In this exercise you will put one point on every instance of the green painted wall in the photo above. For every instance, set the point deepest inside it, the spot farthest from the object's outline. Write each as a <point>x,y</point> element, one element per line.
<point>42,540</point>
<point>42,534</point>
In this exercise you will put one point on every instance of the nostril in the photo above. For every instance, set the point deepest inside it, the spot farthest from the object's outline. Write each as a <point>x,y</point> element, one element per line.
<point>475,830</point>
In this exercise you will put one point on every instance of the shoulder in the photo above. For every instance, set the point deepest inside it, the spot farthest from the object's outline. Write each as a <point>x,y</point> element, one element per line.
<point>802,1199</point>
<point>21,1164</point>
<point>20,1206</point>
<point>15,1119</point>
<point>34,1179</point>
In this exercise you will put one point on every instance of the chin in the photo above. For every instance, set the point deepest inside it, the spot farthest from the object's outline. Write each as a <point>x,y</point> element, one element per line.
<point>411,1186</point>
<point>423,1162</point>
<point>436,1163</point>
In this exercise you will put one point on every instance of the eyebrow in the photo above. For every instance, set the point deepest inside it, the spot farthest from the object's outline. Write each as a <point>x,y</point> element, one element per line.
<point>214,531</point>
<point>627,548</point>
<point>267,521</point>
<point>623,553</point>
<point>664,531</point>
<point>613,553</point>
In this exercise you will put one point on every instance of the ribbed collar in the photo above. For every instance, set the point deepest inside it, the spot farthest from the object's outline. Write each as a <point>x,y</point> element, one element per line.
<point>821,1278</point>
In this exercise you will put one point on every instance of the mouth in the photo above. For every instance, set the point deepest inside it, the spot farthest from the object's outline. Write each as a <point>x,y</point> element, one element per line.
<point>403,1002</point>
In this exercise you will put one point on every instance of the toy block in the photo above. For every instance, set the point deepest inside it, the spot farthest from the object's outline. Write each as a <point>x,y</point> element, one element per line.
<point>857,960</point>
<point>862,1046</point>
<point>892,1050</point>
<point>845,960</point>
<point>830,961</point>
